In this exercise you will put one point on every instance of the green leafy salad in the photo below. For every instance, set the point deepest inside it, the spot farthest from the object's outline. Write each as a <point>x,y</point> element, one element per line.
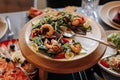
<point>47,34</point>
<point>115,39</point>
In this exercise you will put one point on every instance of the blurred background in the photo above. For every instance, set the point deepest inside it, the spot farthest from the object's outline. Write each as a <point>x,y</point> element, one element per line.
<point>21,5</point>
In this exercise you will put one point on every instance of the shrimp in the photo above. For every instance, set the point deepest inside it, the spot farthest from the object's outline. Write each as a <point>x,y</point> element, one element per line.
<point>76,48</point>
<point>53,43</point>
<point>47,29</point>
<point>113,61</point>
<point>56,48</point>
<point>53,46</point>
<point>46,43</point>
<point>75,22</point>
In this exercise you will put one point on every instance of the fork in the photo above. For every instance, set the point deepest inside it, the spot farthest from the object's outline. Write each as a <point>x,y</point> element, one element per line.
<point>10,32</point>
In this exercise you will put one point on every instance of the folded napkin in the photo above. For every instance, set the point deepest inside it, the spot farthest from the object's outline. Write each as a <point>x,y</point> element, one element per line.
<point>116,18</point>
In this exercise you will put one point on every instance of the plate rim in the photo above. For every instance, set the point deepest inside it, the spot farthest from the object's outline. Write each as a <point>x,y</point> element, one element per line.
<point>105,19</point>
<point>60,60</point>
<point>6,27</point>
<point>110,18</point>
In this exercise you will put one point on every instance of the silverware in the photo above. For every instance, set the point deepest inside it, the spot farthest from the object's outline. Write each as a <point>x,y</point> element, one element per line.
<point>72,34</point>
<point>10,32</point>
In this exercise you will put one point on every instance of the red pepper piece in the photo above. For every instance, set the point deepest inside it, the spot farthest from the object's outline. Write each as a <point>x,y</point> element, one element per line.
<point>65,40</point>
<point>104,63</point>
<point>60,55</point>
<point>81,20</point>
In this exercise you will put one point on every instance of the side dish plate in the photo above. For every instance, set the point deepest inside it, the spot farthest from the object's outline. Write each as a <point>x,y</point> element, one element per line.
<point>109,51</point>
<point>104,11</point>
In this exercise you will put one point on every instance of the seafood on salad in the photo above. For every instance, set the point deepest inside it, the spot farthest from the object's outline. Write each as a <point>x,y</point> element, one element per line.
<point>47,34</point>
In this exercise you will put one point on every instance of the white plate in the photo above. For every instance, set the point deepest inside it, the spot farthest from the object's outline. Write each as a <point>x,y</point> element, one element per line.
<point>87,44</point>
<point>104,11</point>
<point>3,27</point>
<point>64,65</point>
<point>110,51</point>
<point>111,13</point>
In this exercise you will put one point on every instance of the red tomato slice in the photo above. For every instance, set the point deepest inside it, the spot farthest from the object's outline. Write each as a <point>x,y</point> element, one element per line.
<point>60,56</point>
<point>104,63</point>
<point>81,20</point>
<point>32,34</point>
<point>65,40</point>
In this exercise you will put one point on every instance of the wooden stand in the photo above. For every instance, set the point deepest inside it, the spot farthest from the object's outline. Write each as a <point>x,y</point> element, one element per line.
<point>42,74</point>
<point>58,66</point>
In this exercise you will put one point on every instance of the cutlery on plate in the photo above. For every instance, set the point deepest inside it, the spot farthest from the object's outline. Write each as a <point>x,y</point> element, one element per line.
<point>72,34</point>
<point>10,32</point>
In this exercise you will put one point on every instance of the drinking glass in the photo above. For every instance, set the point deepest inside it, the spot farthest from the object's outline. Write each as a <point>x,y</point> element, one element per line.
<point>89,8</point>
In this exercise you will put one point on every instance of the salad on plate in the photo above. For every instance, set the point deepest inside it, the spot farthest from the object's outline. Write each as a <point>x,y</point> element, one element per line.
<point>47,34</point>
<point>111,60</point>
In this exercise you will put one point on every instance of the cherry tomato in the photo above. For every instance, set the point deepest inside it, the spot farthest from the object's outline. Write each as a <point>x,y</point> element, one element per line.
<point>104,63</point>
<point>33,34</point>
<point>60,55</point>
<point>65,40</point>
<point>81,20</point>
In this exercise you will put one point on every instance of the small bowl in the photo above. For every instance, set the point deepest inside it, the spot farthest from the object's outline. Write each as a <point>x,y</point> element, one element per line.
<point>111,13</point>
<point>108,70</point>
